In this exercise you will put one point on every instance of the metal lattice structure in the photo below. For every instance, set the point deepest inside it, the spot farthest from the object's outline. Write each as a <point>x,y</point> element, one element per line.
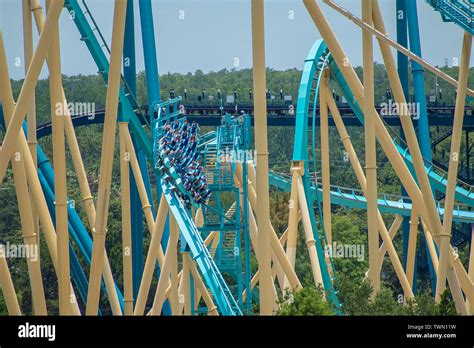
<point>200,254</point>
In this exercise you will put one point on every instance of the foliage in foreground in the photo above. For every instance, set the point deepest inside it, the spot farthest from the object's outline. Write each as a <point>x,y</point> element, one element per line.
<point>356,300</point>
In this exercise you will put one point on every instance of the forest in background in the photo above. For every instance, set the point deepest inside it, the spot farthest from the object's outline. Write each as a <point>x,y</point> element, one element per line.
<point>349,226</point>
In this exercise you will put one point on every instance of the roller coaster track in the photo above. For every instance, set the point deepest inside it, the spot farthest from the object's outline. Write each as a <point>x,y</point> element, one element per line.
<point>191,233</point>
<point>349,198</point>
<point>130,108</point>
<point>211,274</point>
<point>457,11</point>
<point>436,175</point>
<point>354,199</point>
<point>318,59</point>
<point>201,255</point>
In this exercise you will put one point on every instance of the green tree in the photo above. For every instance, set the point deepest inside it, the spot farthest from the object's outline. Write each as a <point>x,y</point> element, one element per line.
<point>308,301</point>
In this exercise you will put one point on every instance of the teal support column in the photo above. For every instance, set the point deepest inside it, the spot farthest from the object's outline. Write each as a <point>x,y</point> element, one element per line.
<point>136,213</point>
<point>149,52</point>
<point>129,59</point>
<point>247,255</point>
<point>402,39</point>
<point>402,64</point>
<point>418,81</point>
<point>423,130</point>
<point>153,92</point>
<point>151,73</point>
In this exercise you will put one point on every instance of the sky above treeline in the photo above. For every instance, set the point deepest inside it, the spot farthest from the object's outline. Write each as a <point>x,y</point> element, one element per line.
<point>215,34</point>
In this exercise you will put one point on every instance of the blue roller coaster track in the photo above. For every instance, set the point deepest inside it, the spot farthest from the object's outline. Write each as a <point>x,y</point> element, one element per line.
<point>217,265</point>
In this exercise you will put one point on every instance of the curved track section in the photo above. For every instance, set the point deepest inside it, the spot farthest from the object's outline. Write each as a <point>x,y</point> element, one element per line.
<point>319,57</point>
<point>437,176</point>
<point>354,199</point>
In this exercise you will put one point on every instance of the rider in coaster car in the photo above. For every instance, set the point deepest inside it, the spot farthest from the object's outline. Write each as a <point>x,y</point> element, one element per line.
<point>179,144</point>
<point>194,127</point>
<point>185,125</point>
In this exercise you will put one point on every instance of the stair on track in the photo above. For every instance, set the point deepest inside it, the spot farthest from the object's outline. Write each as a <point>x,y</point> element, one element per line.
<point>460,12</point>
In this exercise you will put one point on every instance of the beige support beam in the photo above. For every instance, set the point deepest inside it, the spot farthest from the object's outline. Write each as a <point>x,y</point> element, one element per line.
<point>31,115</point>
<point>457,279</point>
<point>30,238</point>
<point>278,251</point>
<point>384,37</point>
<point>27,221</point>
<point>391,232</point>
<point>29,84</point>
<point>59,165</point>
<point>457,292</point>
<point>466,284</point>
<point>261,145</point>
<point>445,237</point>
<point>180,297</point>
<point>174,279</point>
<point>166,270</point>
<point>6,284</point>
<point>80,171</point>
<point>459,269</point>
<point>293,219</point>
<point>254,280</point>
<point>176,285</point>
<point>424,201</point>
<point>253,230</point>
<point>282,267</point>
<point>276,246</point>
<point>199,218</point>
<point>70,133</point>
<point>28,53</point>
<point>108,143</point>
<point>363,184</point>
<point>355,85</point>
<point>6,96</point>
<point>211,307</point>
<point>197,298</point>
<point>412,239</point>
<point>146,205</point>
<point>293,216</point>
<point>470,304</point>
<point>215,242</point>
<point>126,223</point>
<point>78,163</point>
<point>184,286</point>
<point>368,105</point>
<point>251,173</point>
<point>252,202</point>
<point>428,202</point>
<point>431,246</point>
<point>310,241</point>
<point>152,256</point>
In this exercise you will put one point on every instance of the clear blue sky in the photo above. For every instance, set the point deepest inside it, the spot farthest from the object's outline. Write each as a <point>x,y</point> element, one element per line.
<point>215,32</point>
